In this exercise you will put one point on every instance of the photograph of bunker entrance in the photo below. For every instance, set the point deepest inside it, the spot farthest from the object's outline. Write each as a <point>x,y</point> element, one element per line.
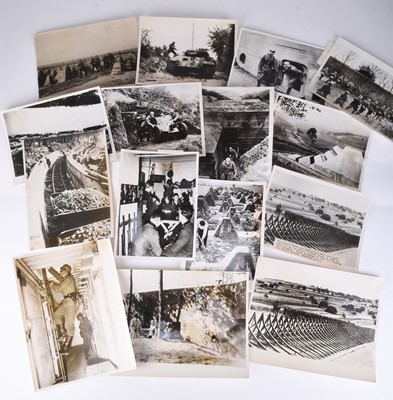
<point>102,54</point>
<point>68,189</point>
<point>238,134</point>
<point>72,313</point>
<point>183,317</point>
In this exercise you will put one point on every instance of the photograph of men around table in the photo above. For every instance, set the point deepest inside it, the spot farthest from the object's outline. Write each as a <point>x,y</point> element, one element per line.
<point>157,198</point>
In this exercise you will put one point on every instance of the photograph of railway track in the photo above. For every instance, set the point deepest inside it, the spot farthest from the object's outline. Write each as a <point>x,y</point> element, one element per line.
<point>265,60</point>
<point>156,117</point>
<point>354,81</point>
<point>238,134</point>
<point>187,323</point>
<point>76,113</point>
<point>314,319</point>
<point>158,194</point>
<point>72,312</point>
<point>68,189</point>
<point>319,141</point>
<point>101,54</point>
<point>314,219</point>
<point>229,220</point>
<point>185,50</point>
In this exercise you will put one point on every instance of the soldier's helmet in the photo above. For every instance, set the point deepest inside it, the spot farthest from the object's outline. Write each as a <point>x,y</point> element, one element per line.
<point>66,267</point>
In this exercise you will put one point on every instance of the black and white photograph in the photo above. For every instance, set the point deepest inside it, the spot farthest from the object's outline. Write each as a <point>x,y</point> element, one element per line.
<point>314,220</point>
<point>186,50</point>
<point>76,113</point>
<point>101,54</point>
<point>157,193</point>
<point>314,319</point>
<point>359,84</point>
<point>187,323</point>
<point>73,314</point>
<point>238,134</point>
<point>265,60</point>
<point>319,141</point>
<point>68,189</point>
<point>156,117</point>
<point>229,220</point>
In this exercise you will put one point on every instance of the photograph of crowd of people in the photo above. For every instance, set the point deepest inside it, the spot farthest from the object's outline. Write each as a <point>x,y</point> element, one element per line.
<point>229,220</point>
<point>156,117</point>
<point>157,205</point>
<point>314,319</point>
<point>266,60</point>
<point>238,134</point>
<point>319,141</point>
<point>314,219</point>
<point>78,112</point>
<point>186,49</point>
<point>359,84</point>
<point>72,313</point>
<point>68,189</point>
<point>65,61</point>
<point>181,322</point>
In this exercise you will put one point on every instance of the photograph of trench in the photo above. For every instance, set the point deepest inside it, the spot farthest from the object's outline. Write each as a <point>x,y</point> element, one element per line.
<point>183,317</point>
<point>68,189</point>
<point>237,134</point>
<point>86,315</point>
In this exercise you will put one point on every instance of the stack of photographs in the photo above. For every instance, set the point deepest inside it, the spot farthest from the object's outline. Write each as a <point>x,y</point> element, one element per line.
<point>212,179</point>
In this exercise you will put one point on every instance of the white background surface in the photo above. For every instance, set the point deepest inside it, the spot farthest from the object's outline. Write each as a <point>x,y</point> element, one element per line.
<point>367,24</point>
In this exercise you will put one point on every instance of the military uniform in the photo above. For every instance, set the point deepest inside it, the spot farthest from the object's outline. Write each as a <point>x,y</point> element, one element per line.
<point>148,242</point>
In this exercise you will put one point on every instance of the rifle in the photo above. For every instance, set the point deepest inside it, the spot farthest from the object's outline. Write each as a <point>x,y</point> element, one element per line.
<point>55,274</point>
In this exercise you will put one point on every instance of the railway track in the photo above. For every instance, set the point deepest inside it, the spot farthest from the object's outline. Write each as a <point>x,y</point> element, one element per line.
<point>57,178</point>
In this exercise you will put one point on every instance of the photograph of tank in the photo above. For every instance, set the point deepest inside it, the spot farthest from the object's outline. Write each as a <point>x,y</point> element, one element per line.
<point>229,220</point>
<point>186,323</point>
<point>157,205</point>
<point>157,117</point>
<point>313,219</point>
<point>359,84</point>
<point>68,189</point>
<point>314,319</point>
<point>73,315</point>
<point>238,134</point>
<point>185,49</point>
<point>101,54</point>
<point>265,60</point>
<point>76,113</point>
<point>319,141</point>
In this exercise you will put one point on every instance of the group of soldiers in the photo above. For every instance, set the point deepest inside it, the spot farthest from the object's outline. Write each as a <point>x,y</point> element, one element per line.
<point>350,100</point>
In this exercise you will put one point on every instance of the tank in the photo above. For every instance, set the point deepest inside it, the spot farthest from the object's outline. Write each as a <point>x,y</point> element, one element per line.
<point>192,62</point>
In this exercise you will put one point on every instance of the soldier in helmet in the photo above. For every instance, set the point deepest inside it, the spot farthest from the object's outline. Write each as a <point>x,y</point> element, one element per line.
<point>64,316</point>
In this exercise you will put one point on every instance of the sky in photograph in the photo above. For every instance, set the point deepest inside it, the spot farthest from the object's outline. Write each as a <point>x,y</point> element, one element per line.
<point>315,187</point>
<point>187,33</point>
<point>204,186</point>
<point>235,93</point>
<point>339,281</point>
<point>85,41</point>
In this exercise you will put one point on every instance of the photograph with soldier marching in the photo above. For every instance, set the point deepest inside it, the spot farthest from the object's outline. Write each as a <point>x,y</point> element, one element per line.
<point>229,221</point>
<point>156,117</point>
<point>73,315</point>
<point>185,49</point>
<point>359,84</point>
<point>238,133</point>
<point>100,54</point>
<point>266,60</point>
